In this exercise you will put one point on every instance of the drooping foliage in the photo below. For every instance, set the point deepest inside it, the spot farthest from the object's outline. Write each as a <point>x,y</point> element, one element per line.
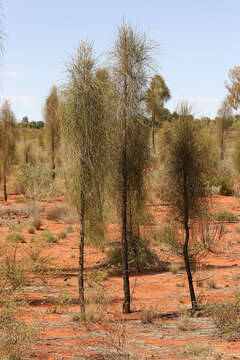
<point>187,166</point>
<point>131,57</point>
<point>157,94</point>
<point>52,127</point>
<point>7,142</point>
<point>84,144</point>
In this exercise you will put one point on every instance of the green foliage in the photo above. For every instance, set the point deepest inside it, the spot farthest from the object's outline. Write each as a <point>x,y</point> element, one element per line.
<point>48,237</point>
<point>225,317</point>
<point>13,270</point>
<point>194,350</point>
<point>83,129</point>
<point>225,215</point>
<point>16,237</point>
<point>52,126</point>
<point>223,179</point>
<point>140,256</point>
<point>34,182</point>
<point>16,336</point>
<point>62,235</point>
<point>61,305</point>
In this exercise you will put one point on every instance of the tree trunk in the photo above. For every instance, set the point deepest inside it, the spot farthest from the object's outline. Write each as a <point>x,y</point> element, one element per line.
<point>126,288</point>
<point>81,256</point>
<point>153,132</point>
<point>5,181</point>
<point>185,247</point>
<point>188,269</point>
<point>53,156</point>
<point>222,144</point>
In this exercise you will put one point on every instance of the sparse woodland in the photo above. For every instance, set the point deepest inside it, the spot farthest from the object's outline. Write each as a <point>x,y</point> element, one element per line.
<point>110,189</point>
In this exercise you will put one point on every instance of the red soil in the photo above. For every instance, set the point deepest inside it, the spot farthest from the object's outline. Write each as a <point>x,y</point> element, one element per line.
<point>63,338</point>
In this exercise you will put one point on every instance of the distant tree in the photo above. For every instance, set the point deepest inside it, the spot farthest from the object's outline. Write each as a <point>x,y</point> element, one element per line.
<point>7,142</point>
<point>187,164</point>
<point>233,87</point>
<point>52,126</point>
<point>157,94</point>
<point>224,120</point>
<point>82,124</point>
<point>131,57</point>
<point>25,122</point>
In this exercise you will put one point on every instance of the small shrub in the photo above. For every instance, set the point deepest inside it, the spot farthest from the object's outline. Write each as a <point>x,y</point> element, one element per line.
<point>20,200</point>
<point>184,323</point>
<point>225,215</point>
<point>140,256</point>
<point>13,272</point>
<point>174,268</point>
<point>61,305</point>
<point>93,314</point>
<point>180,284</point>
<point>196,350</point>
<point>69,229</point>
<point>62,235</point>
<point>36,221</point>
<point>48,236</point>
<point>31,230</point>
<point>224,180</point>
<point>57,213</point>
<point>211,284</point>
<point>225,317</point>
<point>16,237</point>
<point>148,315</point>
<point>5,211</point>
<point>33,181</point>
<point>96,277</point>
<point>16,337</point>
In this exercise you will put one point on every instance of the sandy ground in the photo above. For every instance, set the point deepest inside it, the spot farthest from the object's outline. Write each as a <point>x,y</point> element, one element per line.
<point>166,293</point>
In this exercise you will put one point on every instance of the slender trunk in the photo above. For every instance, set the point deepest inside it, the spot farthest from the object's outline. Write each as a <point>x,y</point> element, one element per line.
<point>126,287</point>
<point>222,144</point>
<point>53,157</point>
<point>153,131</point>
<point>81,256</point>
<point>26,157</point>
<point>4,181</point>
<point>185,247</point>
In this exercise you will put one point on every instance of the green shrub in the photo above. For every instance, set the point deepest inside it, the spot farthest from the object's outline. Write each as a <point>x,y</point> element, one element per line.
<point>13,272</point>
<point>34,181</point>
<point>225,317</point>
<point>48,236</point>
<point>62,235</point>
<point>194,350</point>
<point>168,236</point>
<point>225,215</point>
<point>224,180</point>
<point>16,336</point>
<point>16,237</point>
<point>139,255</point>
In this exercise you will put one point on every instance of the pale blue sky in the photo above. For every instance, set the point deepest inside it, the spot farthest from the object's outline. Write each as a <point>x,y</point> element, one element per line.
<point>198,43</point>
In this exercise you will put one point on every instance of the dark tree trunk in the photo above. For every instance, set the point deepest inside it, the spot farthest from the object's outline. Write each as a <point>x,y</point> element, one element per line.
<point>81,256</point>
<point>5,182</point>
<point>153,132</point>
<point>222,144</point>
<point>126,287</point>
<point>53,157</point>
<point>185,247</point>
